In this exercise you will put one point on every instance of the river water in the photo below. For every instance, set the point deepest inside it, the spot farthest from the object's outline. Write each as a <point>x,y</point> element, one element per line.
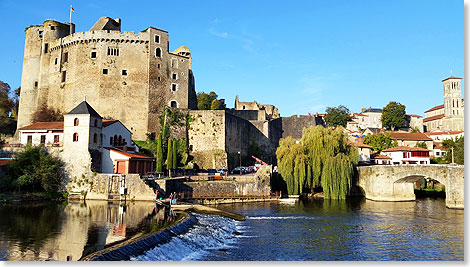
<point>356,229</point>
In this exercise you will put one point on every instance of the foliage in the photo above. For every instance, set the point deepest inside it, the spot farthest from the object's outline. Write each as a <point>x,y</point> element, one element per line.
<point>393,116</point>
<point>337,116</point>
<point>215,104</point>
<point>421,145</point>
<point>7,123</point>
<point>380,141</point>
<point>458,146</point>
<point>159,155</point>
<point>173,155</point>
<point>16,101</point>
<point>415,130</point>
<point>438,160</point>
<point>45,114</point>
<point>33,170</point>
<point>204,101</point>
<point>322,157</point>
<point>169,158</point>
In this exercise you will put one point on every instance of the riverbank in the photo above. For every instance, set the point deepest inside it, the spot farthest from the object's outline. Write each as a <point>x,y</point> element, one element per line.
<point>8,197</point>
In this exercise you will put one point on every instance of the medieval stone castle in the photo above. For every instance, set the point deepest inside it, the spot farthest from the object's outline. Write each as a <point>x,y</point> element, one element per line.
<point>131,77</point>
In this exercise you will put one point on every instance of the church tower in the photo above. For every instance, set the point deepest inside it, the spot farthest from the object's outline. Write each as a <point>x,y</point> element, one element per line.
<point>453,107</point>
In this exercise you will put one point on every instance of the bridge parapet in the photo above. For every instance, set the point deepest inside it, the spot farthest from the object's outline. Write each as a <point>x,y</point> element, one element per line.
<point>395,182</point>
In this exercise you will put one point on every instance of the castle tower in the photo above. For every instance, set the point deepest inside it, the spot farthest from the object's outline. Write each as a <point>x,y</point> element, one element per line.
<point>452,97</point>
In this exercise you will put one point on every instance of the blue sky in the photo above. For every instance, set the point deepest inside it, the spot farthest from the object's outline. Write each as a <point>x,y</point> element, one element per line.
<point>301,56</point>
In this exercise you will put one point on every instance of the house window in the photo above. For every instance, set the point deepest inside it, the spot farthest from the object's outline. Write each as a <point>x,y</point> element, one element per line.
<point>30,139</point>
<point>75,137</point>
<point>158,52</point>
<point>174,76</point>
<point>56,139</point>
<point>66,57</point>
<point>174,87</point>
<point>93,54</point>
<point>64,76</point>
<point>75,122</point>
<point>95,138</point>
<point>105,71</point>
<point>43,139</point>
<point>46,47</point>
<point>173,104</point>
<point>124,72</point>
<point>157,39</point>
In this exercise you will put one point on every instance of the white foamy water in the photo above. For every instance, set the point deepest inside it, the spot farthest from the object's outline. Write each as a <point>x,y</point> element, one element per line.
<point>210,233</point>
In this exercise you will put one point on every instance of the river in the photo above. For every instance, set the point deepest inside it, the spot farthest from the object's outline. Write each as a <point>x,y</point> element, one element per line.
<point>356,229</point>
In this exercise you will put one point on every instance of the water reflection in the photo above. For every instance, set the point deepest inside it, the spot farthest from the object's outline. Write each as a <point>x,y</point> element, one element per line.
<point>54,231</point>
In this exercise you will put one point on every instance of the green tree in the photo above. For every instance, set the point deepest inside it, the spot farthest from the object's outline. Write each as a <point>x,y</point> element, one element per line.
<point>173,156</point>
<point>169,158</point>
<point>16,101</point>
<point>215,105</point>
<point>421,145</point>
<point>337,116</point>
<point>458,147</point>
<point>34,170</point>
<point>380,141</point>
<point>393,116</point>
<point>159,155</point>
<point>204,100</point>
<point>322,158</point>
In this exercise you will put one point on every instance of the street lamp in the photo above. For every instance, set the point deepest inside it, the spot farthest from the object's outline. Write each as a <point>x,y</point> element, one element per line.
<point>240,156</point>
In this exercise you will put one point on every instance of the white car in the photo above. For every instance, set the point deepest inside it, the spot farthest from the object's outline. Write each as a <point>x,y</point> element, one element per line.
<point>222,171</point>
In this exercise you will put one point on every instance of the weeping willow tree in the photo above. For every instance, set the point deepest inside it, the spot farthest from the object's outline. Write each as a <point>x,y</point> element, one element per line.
<point>322,158</point>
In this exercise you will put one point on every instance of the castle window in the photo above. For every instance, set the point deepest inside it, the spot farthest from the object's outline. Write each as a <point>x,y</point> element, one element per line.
<point>75,122</point>
<point>64,76</point>
<point>182,60</point>
<point>173,104</point>
<point>93,54</point>
<point>157,39</point>
<point>158,66</point>
<point>105,71</point>
<point>46,47</point>
<point>174,63</point>
<point>158,52</point>
<point>36,84</point>
<point>158,78</point>
<point>95,138</point>
<point>191,148</point>
<point>243,106</point>
<point>66,57</point>
<point>174,87</point>
<point>174,76</point>
<point>113,51</point>
<point>55,62</point>
<point>52,27</point>
<point>124,72</point>
<point>75,137</point>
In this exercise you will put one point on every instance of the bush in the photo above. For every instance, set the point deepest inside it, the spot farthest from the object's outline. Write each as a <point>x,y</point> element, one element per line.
<point>34,170</point>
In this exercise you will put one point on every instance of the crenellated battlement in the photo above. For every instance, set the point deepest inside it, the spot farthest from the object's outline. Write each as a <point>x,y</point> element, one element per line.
<point>100,36</point>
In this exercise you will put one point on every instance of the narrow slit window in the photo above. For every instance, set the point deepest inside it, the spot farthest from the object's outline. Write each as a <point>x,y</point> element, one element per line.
<point>64,76</point>
<point>174,87</point>
<point>66,57</point>
<point>105,71</point>
<point>46,48</point>
<point>158,52</point>
<point>124,72</point>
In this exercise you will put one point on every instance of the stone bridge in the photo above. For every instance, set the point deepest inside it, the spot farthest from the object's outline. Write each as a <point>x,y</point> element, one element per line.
<point>395,182</point>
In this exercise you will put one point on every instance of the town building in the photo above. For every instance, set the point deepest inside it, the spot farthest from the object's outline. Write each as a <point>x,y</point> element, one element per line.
<point>84,137</point>
<point>380,159</point>
<point>371,118</point>
<point>411,139</point>
<point>364,152</point>
<point>407,155</point>
<point>127,76</point>
<point>450,115</point>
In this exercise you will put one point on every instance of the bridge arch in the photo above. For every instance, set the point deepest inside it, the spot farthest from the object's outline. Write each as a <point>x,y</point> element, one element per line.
<point>395,182</point>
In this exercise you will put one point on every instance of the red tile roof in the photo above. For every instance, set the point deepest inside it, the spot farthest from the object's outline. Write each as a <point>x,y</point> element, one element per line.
<point>451,77</point>
<point>55,125</point>
<point>435,108</point>
<point>445,133</point>
<point>379,156</point>
<point>434,118</point>
<point>359,144</point>
<point>413,115</point>
<point>409,136</point>
<point>404,148</point>
<point>106,123</point>
<point>437,145</point>
<point>129,155</point>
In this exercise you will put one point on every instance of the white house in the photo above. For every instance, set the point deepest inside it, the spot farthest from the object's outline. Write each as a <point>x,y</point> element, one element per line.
<point>407,155</point>
<point>380,159</point>
<point>43,133</point>
<point>364,151</point>
<point>439,136</point>
<point>118,161</point>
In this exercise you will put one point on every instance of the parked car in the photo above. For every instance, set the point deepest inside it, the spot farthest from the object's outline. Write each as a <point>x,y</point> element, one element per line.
<point>237,170</point>
<point>211,171</point>
<point>222,171</point>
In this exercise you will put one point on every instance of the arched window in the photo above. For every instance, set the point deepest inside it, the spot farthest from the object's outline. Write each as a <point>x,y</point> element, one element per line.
<point>173,104</point>
<point>95,138</point>
<point>158,52</point>
<point>75,137</point>
<point>96,123</point>
<point>75,122</point>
